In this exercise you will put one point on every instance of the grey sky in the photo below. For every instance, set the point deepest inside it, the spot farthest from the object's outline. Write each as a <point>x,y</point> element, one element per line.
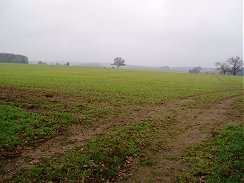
<point>143,32</point>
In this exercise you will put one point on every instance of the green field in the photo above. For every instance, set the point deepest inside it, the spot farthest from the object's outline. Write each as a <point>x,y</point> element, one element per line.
<point>40,102</point>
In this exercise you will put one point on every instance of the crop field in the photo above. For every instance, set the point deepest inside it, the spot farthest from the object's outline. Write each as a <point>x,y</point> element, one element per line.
<point>82,124</point>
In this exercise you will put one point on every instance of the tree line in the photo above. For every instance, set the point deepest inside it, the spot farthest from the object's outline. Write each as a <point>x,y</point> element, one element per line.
<point>13,58</point>
<point>232,66</point>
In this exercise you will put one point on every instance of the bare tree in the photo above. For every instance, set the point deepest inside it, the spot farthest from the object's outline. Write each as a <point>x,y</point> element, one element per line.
<point>235,64</point>
<point>222,67</point>
<point>119,62</point>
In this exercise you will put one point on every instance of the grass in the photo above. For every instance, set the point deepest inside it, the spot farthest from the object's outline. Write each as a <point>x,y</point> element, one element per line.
<point>221,160</point>
<point>100,93</point>
<point>99,84</point>
<point>89,96</point>
<point>18,127</point>
<point>38,100</point>
<point>99,160</point>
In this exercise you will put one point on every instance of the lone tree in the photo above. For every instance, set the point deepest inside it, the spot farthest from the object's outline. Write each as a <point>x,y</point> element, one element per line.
<point>235,64</point>
<point>41,62</point>
<point>118,61</point>
<point>222,67</point>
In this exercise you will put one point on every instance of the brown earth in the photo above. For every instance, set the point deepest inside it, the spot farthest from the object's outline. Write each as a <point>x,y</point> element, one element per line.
<point>191,127</point>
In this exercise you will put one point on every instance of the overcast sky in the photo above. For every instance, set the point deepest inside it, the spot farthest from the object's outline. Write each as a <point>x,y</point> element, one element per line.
<point>143,32</point>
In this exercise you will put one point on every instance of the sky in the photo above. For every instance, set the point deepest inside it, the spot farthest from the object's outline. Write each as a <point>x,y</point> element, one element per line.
<point>143,32</point>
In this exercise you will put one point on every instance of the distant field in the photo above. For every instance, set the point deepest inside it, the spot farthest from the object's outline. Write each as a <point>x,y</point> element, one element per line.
<point>41,102</point>
<point>134,86</point>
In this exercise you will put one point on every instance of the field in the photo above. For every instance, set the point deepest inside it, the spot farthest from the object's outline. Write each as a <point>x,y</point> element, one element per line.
<point>81,124</point>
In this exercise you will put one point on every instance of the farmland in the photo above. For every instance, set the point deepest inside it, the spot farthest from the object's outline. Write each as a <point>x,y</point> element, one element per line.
<point>86,124</point>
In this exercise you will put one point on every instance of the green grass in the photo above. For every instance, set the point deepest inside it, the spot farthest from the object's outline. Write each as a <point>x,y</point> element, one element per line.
<point>221,160</point>
<point>38,100</point>
<point>95,95</point>
<point>100,84</point>
<point>99,160</point>
<point>17,127</point>
<point>99,94</point>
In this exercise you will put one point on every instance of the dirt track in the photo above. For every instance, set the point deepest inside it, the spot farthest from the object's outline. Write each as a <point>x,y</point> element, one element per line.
<point>193,127</point>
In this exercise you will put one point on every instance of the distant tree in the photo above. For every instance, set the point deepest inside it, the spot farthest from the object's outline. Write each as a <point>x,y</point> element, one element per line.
<point>13,58</point>
<point>67,64</point>
<point>41,62</point>
<point>118,61</point>
<point>235,64</point>
<point>222,67</point>
<point>195,70</point>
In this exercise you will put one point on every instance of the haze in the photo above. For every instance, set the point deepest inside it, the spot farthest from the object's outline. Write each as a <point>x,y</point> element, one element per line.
<point>143,32</point>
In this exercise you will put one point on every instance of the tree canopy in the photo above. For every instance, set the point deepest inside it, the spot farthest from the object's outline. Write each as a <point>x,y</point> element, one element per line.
<point>235,64</point>
<point>223,68</point>
<point>118,61</point>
